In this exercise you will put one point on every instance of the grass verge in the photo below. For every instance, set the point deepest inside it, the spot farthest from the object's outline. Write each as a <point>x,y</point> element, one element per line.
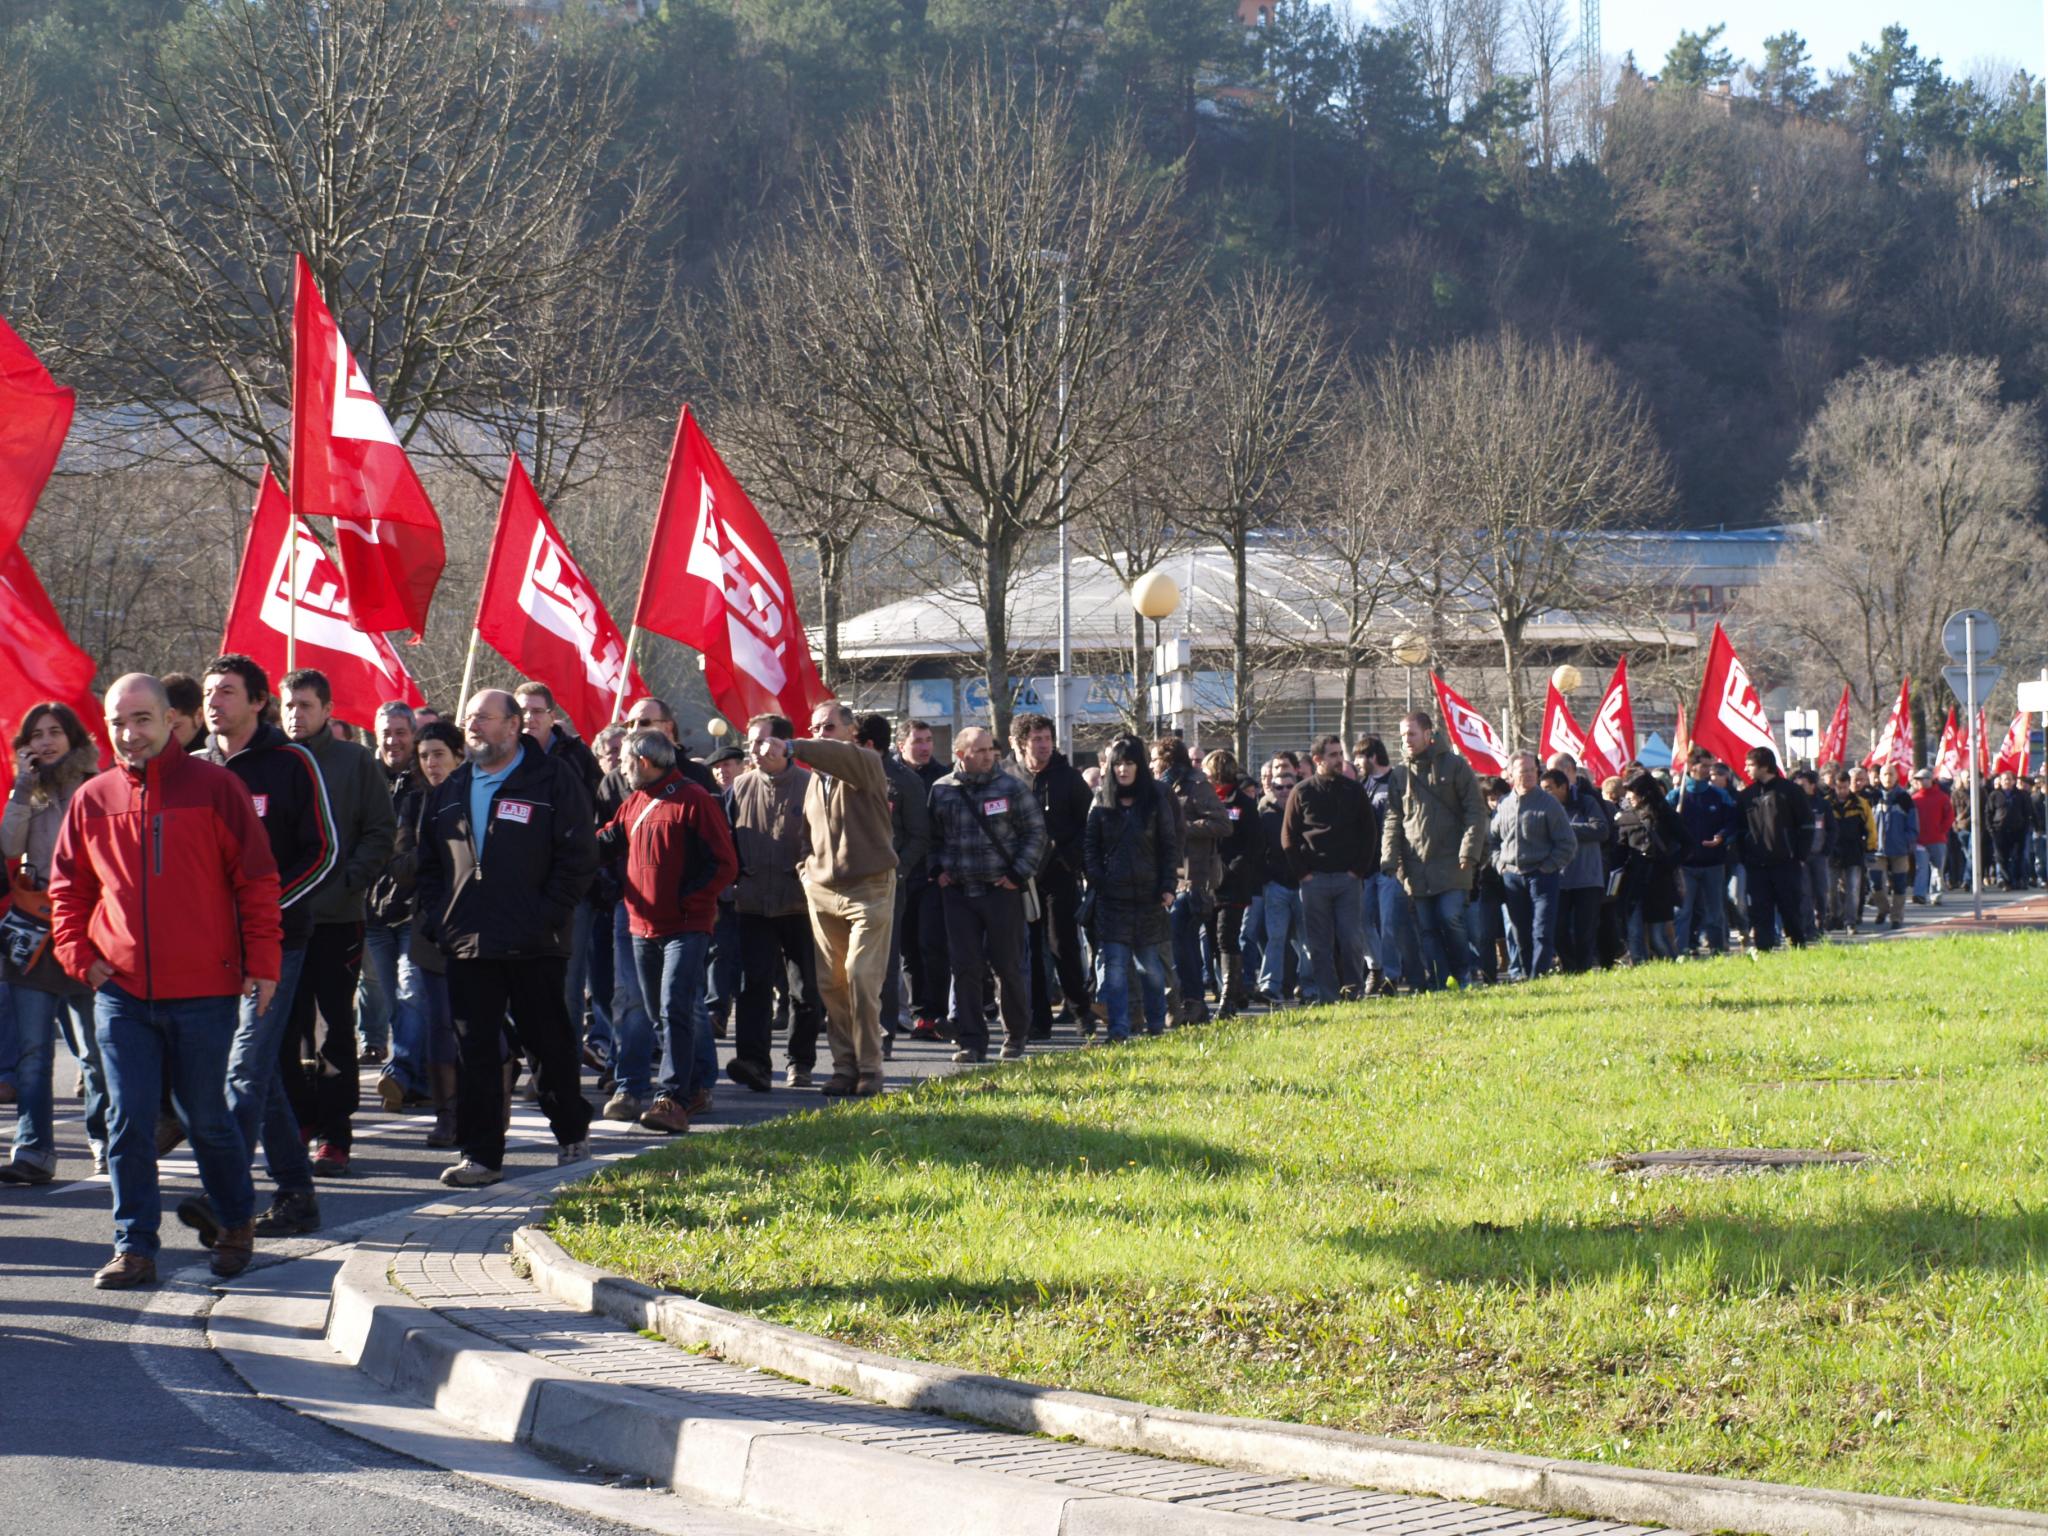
<point>1388,1218</point>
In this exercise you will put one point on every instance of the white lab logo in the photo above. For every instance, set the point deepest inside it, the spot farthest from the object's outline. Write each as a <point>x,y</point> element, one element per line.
<point>323,618</point>
<point>357,415</point>
<point>1740,711</point>
<point>1607,728</point>
<point>1474,730</point>
<point>1562,738</point>
<point>557,596</point>
<point>756,607</point>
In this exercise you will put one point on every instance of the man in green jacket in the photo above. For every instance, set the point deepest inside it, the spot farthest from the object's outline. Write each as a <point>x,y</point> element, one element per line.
<point>1433,841</point>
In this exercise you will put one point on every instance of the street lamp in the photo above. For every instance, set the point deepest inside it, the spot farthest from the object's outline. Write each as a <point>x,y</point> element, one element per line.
<point>718,727</point>
<point>1411,651</point>
<point>1155,595</point>
<point>1566,677</point>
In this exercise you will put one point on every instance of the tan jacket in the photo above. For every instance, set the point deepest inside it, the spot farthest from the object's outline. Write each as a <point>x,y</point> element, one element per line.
<point>849,833</point>
<point>768,836</point>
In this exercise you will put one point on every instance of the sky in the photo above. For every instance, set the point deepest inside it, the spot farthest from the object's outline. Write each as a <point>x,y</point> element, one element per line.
<point>1960,33</point>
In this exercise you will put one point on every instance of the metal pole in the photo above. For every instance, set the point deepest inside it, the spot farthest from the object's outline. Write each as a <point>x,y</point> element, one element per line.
<point>625,672</point>
<point>468,669</point>
<point>291,605</point>
<point>1062,685</point>
<point>1976,767</point>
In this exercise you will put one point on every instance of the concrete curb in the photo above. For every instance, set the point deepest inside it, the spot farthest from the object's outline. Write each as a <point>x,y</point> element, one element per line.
<point>1629,1495</point>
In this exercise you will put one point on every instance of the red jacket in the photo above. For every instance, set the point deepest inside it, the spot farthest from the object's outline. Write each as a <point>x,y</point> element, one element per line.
<point>679,856</point>
<point>1937,815</point>
<point>166,875</point>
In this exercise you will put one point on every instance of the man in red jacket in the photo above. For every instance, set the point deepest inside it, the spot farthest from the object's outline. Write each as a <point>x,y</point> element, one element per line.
<point>679,856</point>
<point>1937,820</point>
<point>164,900</point>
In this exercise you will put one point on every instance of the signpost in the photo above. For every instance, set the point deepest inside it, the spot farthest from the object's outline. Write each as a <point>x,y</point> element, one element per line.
<point>1971,639</point>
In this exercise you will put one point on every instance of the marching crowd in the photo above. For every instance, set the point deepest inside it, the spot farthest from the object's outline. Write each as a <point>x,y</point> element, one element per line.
<point>250,905</point>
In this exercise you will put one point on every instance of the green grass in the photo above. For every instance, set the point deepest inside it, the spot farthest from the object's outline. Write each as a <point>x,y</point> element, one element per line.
<point>1386,1218</point>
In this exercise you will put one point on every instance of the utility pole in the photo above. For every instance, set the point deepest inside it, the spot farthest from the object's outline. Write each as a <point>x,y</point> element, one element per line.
<point>1592,72</point>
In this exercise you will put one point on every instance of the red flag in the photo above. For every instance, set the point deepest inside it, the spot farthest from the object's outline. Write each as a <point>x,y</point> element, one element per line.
<point>1681,740</point>
<point>1561,733</point>
<point>1952,756</point>
<point>362,668</point>
<point>1895,742</point>
<point>541,613</point>
<point>1613,733</point>
<point>1834,745</point>
<point>2015,751</point>
<point>347,464</point>
<point>40,662</point>
<point>1470,731</point>
<point>34,416</point>
<point>1729,717</point>
<point>715,580</point>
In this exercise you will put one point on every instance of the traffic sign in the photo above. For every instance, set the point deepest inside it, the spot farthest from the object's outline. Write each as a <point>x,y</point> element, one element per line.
<point>2034,696</point>
<point>1970,629</point>
<point>1987,679</point>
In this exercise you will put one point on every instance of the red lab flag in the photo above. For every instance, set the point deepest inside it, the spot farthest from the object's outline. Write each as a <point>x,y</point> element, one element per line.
<point>38,660</point>
<point>1895,742</point>
<point>1470,731</point>
<point>1952,756</point>
<point>716,581</point>
<point>2014,752</point>
<point>1561,733</point>
<point>363,669</point>
<point>1729,719</point>
<point>34,416</point>
<point>1613,733</point>
<point>1834,745</point>
<point>541,613</point>
<point>347,464</point>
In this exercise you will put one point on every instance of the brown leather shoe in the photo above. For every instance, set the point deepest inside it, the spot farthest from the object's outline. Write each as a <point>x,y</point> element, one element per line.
<point>839,1086</point>
<point>869,1085</point>
<point>124,1272</point>
<point>233,1249</point>
<point>668,1115</point>
<point>700,1104</point>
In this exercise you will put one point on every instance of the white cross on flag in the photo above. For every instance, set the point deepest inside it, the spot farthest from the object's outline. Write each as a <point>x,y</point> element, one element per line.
<point>1729,718</point>
<point>1470,731</point>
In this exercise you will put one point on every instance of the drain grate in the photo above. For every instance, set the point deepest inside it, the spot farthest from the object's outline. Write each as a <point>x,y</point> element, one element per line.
<point>1726,1162</point>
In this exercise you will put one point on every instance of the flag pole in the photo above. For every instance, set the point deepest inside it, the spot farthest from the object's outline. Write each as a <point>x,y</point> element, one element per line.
<point>291,593</point>
<point>675,453</point>
<point>468,670</point>
<point>626,671</point>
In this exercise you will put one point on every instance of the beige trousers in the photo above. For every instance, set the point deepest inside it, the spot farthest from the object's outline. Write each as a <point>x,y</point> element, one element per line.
<point>851,924</point>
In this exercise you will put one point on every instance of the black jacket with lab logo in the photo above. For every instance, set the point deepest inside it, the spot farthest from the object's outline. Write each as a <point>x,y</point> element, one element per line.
<point>515,902</point>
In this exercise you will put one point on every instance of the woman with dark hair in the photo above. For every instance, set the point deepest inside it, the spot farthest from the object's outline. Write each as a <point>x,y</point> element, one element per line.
<point>1243,852</point>
<point>53,755</point>
<point>1133,865</point>
<point>1653,843</point>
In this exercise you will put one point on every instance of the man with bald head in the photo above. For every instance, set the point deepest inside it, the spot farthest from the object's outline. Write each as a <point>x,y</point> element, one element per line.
<point>164,900</point>
<point>507,847</point>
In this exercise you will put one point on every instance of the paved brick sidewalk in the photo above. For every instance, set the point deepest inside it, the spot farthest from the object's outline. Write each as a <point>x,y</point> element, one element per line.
<point>456,1261</point>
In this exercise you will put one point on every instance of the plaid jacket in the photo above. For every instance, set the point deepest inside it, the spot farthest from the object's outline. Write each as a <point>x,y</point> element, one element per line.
<point>972,823</point>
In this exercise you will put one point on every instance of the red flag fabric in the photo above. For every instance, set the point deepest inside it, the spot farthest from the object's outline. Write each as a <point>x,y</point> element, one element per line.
<point>1834,744</point>
<point>1895,742</point>
<point>1470,731</point>
<point>1729,717</point>
<point>35,414</point>
<point>38,660</point>
<point>716,581</point>
<point>1613,733</point>
<point>347,464</point>
<point>1681,741</point>
<point>2015,751</point>
<point>541,613</point>
<point>1952,756</point>
<point>362,668</point>
<point>1561,732</point>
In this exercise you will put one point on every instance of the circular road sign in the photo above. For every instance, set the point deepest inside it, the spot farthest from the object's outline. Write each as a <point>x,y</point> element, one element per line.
<point>1967,630</point>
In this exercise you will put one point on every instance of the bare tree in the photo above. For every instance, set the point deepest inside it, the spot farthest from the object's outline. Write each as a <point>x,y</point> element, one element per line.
<point>1526,448</point>
<point>1265,373</point>
<point>962,283</point>
<point>1915,494</point>
<point>1548,56</point>
<point>454,190</point>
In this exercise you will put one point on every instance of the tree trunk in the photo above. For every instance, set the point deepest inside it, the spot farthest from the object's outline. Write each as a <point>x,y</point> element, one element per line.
<point>1511,653</point>
<point>996,599</point>
<point>1243,705</point>
<point>831,568</point>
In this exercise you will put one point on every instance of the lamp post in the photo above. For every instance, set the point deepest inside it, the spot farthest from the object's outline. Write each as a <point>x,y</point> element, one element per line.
<point>718,728</point>
<point>1566,677</point>
<point>1411,651</point>
<point>1155,595</point>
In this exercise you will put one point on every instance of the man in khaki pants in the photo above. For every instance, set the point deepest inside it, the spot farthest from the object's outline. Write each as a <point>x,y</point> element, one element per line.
<point>849,875</point>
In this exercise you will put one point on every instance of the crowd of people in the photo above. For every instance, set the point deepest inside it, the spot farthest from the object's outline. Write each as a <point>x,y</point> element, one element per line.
<point>251,905</point>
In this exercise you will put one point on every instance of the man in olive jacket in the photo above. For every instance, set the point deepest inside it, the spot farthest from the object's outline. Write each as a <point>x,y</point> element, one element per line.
<point>1433,841</point>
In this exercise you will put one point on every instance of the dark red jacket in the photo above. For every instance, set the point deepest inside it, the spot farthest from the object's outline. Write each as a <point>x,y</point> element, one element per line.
<point>1937,815</point>
<point>167,876</point>
<point>679,856</point>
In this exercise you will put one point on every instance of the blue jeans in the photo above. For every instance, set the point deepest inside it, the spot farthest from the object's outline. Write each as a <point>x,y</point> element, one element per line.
<point>1703,907</point>
<point>1283,917</point>
<point>1251,936</point>
<point>1186,918</point>
<point>1335,931</point>
<point>1390,921</point>
<point>376,997</point>
<point>1440,920</point>
<point>186,1040</point>
<point>255,1082</point>
<point>1532,908</point>
<point>35,1041</point>
<point>1113,989</point>
<point>10,1048</point>
<point>389,975</point>
<point>672,971</point>
<point>602,977</point>
<point>1487,925</point>
<point>632,1031</point>
<point>725,962</point>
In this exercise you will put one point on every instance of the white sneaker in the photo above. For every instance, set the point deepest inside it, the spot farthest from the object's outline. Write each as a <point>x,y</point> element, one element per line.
<point>623,1106</point>
<point>574,1152</point>
<point>796,1077</point>
<point>470,1174</point>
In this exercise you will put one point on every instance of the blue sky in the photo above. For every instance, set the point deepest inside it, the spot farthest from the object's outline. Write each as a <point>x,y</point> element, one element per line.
<point>1959,32</point>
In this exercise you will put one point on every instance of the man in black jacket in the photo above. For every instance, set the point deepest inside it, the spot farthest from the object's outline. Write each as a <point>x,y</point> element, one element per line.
<point>1332,842</point>
<point>1773,828</point>
<point>1064,797</point>
<point>508,846</point>
<point>910,822</point>
<point>924,913</point>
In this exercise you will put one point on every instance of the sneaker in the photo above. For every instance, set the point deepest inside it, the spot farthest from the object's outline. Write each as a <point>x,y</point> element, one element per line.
<point>99,1158</point>
<point>329,1161</point>
<point>667,1115</point>
<point>888,1047</point>
<point>233,1250</point>
<point>797,1077</point>
<point>839,1086</point>
<point>470,1174</point>
<point>623,1106</point>
<point>22,1172</point>
<point>292,1213</point>
<point>390,1093</point>
<point>749,1074</point>
<point>371,1055</point>
<point>1013,1052</point>
<point>124,1272</point>
<point>196,1211</point>
<point>967,1055</point>
<point>441,1133</point>
<point>573,1152</point>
